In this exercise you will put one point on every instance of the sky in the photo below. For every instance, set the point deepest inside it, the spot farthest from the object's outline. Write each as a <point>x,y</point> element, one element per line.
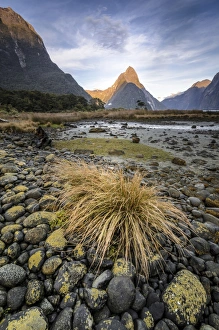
<point>171,44</point>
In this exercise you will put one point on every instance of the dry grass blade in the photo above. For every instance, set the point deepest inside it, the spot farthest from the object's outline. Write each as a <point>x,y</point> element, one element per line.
<point>105,209</point>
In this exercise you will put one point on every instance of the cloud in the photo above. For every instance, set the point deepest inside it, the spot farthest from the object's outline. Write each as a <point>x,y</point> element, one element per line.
<point>108,33</point>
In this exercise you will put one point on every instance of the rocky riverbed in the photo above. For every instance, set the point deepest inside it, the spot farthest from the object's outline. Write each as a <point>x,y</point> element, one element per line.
<point>48,283</point>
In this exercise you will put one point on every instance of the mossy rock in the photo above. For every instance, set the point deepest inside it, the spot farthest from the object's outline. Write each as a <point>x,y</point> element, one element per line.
<point>185,299</point>
<point>56,240</point>
<point>123,267</point>
<point>14,213</point>
<point>11,228</point>
<point>32,318</point>
<point>39,218</point>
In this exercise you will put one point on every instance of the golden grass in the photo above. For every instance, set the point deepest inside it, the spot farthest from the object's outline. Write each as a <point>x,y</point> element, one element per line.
<point>19,126</point>
<point>106,209</point>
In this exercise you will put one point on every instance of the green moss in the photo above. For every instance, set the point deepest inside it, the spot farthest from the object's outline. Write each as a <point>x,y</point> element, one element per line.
<point>59,220</point>
<point>103,146</point>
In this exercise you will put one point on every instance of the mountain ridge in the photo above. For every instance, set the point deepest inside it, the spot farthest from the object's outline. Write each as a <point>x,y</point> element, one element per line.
<point>189,99</point>
<point>117,94</point>
<point>25,63</point>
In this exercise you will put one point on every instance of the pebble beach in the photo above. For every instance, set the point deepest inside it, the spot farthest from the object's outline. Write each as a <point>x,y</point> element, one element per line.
<point>47,283</point>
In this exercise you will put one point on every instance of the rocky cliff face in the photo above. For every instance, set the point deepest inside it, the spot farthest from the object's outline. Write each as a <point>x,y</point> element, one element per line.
<point>188,100</point>
<point>125,93</point>
<point>25,63</point>
<point>210,97</point>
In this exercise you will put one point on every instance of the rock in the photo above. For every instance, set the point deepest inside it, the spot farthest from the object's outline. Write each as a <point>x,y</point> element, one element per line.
<point>14,213</point>
<point>51,265</point>
<point>101,315</point>
<point>68,276</point>
<point>174,192</point>
<point>194,201</point>
<point>185,299</point>
<point>35,292</point>
<point>83,319</point>
<point>68,300</point>
<point>157,310</point>
<point>15,297</point>
<point>15,199</point>
<point>147,318</point>
<point>139,301</point>
<point>56,240</point>
<point>48,202</point>
<point>212,267</point>
<point>13,251</point>
<point>206,230</point>
<point>95,298</point>
<point>97,130</point>
<point>179,161</point>
<point>11,275</point>
<point>11,228</point>
<point>39,218</point>
<point>121,294</point>
<point>63,320</point>
<point>32,318</point>
<point>110,324</point>
<point>7,179</point>
<point>35,235</point>
<point>35,193</point>
<point>201,245</point>
<point>214,320</point>
<point>210,218</point>
<point>103,279</point>
<point>36,261</point>
<point>166,324</point>
<point>127,320</point>
<point>122,267</point>
<point>46,306</point>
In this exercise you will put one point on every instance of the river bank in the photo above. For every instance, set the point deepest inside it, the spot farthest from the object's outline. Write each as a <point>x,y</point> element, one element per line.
<point>47,283</point>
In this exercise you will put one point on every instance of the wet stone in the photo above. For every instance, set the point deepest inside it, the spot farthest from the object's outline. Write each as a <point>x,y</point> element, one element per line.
<point>83,318</point>
<point>110,324</point>
<point>32,318</point>
<point>15,297</point>
<point>95,298</point>
<point>35,235</point>
<point>14,213</point>
<point>50,266</point>
<point>35,292</point>
<point>121,294</point>
<point>11,275</point>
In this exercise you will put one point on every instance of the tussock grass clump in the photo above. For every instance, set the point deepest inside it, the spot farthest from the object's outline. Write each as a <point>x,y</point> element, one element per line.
<point>106,209</point>
<point>19,126</point>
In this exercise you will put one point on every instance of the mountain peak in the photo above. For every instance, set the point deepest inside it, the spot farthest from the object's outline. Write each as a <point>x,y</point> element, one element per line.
<point>202,83</point>
<point>24,61</point>
<point>18,27</point>
<point>129,76</point>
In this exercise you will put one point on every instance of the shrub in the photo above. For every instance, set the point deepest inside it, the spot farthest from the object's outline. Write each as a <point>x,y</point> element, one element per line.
<point>105,208</point>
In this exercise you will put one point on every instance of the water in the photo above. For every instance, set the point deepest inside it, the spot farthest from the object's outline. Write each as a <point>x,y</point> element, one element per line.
<point>125,129</point>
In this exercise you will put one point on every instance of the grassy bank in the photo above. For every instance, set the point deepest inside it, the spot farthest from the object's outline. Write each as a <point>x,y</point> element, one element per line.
<point>104,147</point>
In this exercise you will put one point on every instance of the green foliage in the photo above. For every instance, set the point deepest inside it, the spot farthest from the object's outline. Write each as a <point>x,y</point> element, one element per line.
<point>35,101</point>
